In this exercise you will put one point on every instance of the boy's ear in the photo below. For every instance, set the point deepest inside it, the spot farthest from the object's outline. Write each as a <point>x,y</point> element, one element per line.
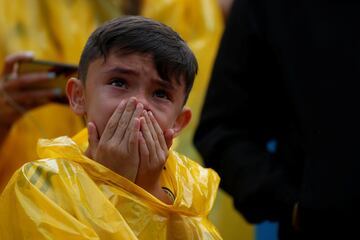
<point>182,120</point>
<point>75,92</point>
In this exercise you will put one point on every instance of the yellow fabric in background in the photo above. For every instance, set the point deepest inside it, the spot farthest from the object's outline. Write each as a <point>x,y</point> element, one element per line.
<point>200,23</point>
<point>69,196</point>
<point>55,30</point>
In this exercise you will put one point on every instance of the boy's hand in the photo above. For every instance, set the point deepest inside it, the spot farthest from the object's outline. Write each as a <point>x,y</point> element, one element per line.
<point>153,154</point>
<point>118,147</point>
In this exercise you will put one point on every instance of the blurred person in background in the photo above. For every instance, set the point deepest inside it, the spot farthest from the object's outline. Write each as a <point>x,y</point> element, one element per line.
<point>280,122</point>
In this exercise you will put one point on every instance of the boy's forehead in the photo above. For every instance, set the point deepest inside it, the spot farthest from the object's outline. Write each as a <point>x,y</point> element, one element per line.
<point>114,60</point>
<point>118,62</point>
<point>144,57</point>
<point>124,56</point>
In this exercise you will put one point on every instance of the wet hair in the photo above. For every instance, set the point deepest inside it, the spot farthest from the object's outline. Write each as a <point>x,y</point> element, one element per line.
<point>135,34</point>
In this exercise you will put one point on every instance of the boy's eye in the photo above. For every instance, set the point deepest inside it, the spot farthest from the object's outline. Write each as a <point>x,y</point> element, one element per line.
<point>117,82</point>
<point>161,94</point>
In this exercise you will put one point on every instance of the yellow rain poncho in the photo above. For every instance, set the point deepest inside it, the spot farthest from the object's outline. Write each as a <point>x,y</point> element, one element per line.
<point>68,196</point>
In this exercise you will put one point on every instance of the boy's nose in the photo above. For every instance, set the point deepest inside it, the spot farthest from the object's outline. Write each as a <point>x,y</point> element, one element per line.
<point>144,101</point>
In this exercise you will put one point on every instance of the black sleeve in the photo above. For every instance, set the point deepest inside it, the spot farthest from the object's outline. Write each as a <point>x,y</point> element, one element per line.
<point>240,116</point>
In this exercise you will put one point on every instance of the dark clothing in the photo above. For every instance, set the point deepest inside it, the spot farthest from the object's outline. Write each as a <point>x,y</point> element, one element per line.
<point>289,72</point>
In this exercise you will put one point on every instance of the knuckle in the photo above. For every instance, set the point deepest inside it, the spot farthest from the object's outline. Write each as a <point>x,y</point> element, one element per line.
<point>112,126</point>
<point>132,141</point>
<point>146,154</point>
<point>102,147</point>
<point>122,123</point>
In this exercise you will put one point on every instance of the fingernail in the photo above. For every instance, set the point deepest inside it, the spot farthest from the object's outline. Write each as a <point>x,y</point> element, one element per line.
<point>51,75</point>
<point>57,92</point>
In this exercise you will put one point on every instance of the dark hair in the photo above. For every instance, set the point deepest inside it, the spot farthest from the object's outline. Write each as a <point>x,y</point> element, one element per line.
<point>136,34</point>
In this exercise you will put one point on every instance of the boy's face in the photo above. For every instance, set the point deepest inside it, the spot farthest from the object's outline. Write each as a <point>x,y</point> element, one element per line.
<point>122,77</point>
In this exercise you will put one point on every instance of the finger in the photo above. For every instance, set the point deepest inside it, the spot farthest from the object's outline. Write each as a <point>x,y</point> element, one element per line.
<point>160,152</point>
<point>150,125</point>
<point>169,136</point>
<point>14,58</point>
<point>148,138</point>
<point>159,131</point>
<point>31,80</point>
<point>129,131</point>
<point>144,153</point>
<point>113,122</point>
<point>125,119</point>
<point>93,138</point>
<point>28,96</point>
<point>133,138</point>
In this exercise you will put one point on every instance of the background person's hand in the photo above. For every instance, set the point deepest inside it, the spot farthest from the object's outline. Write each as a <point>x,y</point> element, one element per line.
<point>16,94</point>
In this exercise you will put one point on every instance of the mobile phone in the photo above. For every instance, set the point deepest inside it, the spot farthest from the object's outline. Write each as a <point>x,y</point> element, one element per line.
<point>62,72</point>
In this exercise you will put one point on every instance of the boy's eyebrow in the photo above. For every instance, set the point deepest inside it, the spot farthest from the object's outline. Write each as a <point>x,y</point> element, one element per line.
<point>121,70</point>
<point>163,83</point>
